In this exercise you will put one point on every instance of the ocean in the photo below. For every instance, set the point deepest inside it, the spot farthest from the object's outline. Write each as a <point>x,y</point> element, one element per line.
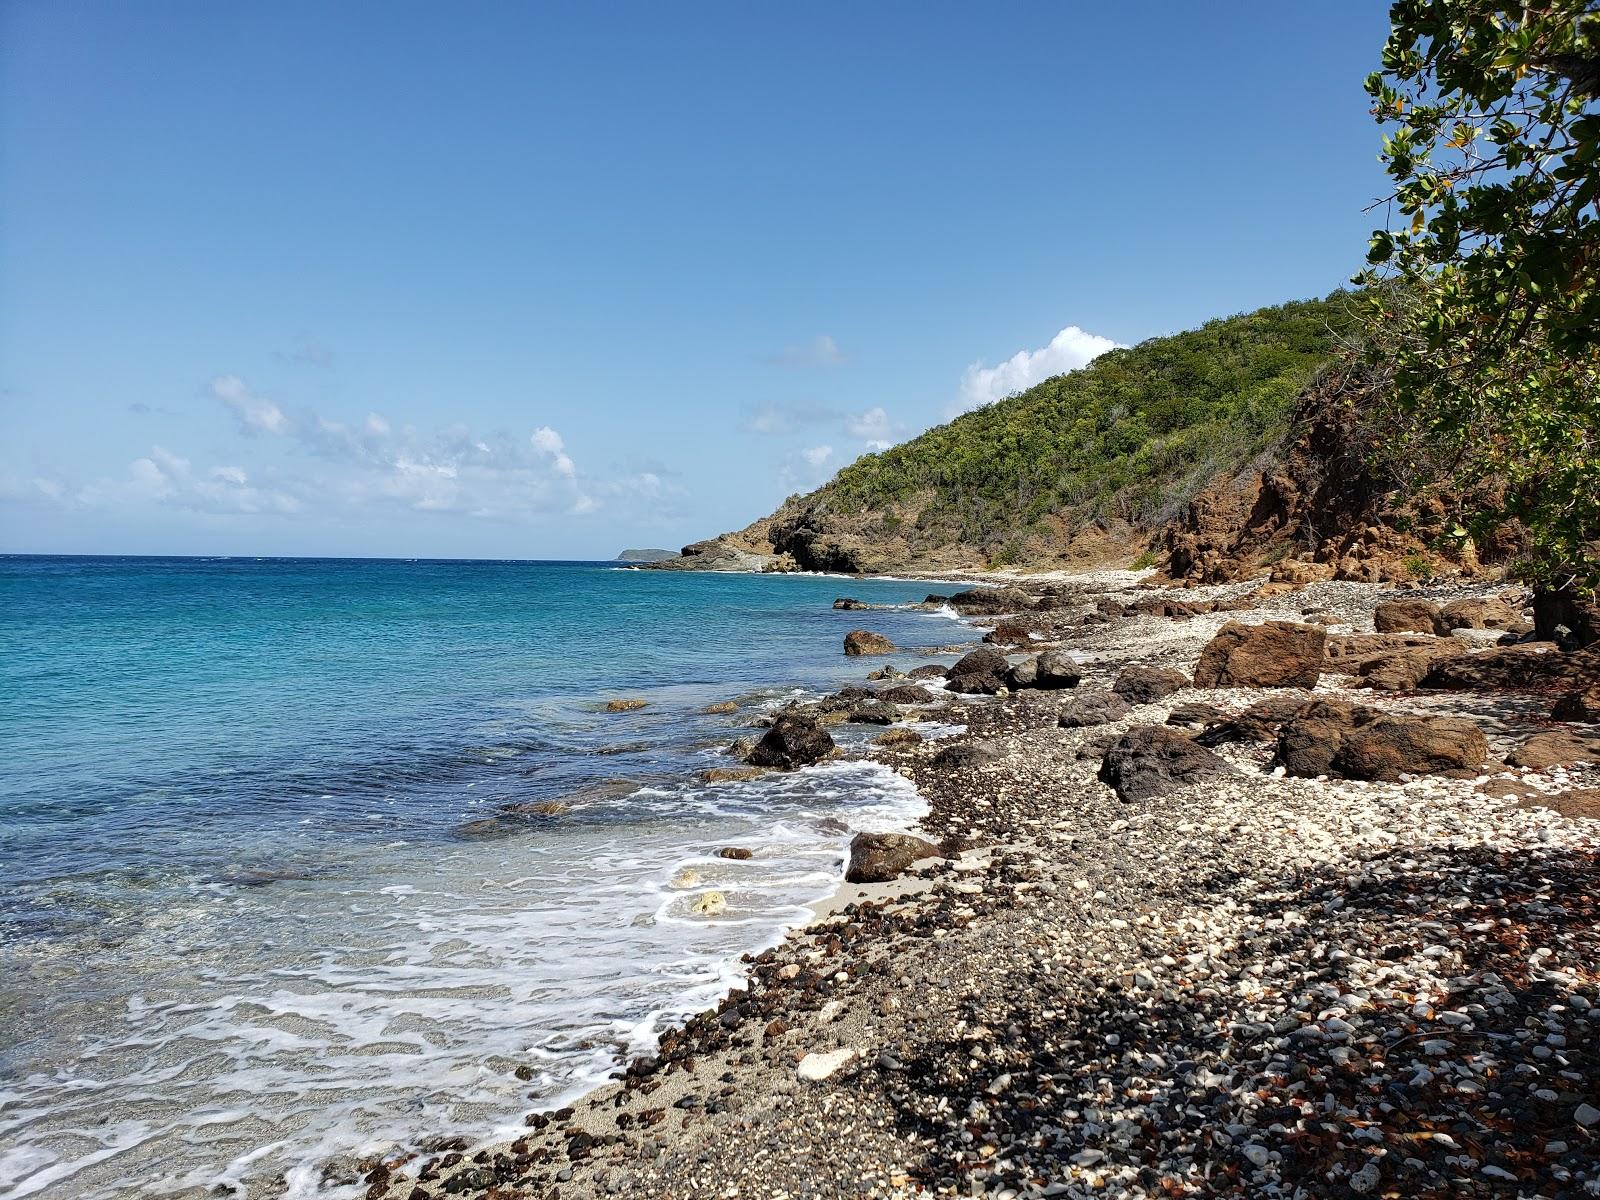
<point>301,859</point>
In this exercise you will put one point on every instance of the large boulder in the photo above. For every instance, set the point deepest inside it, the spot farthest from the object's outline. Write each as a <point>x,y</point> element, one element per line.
<point>864,641</point>
<point>794,740</point>
<point>1056,669</point>
<point>1557,749</point>
<point>1310,741</point>
<point>1484,613</point>
<point>1404,670</point>
<point>872,712</point>
<point>1408,616</point>
<point>1148,685</point>
<point>1153,760</point>
<point>880,857</point>
<point>981,671</point>
<point>1388,747</point>
<point>1276,654</point>
<point>1514,668</point>
<point>1091,706</point>
<point>907,693</point>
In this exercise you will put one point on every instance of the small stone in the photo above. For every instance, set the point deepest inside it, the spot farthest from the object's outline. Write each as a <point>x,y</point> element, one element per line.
<point>815,1067</point>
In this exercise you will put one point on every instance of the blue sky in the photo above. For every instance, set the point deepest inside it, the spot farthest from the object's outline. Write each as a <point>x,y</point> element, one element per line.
<point>550,280</point>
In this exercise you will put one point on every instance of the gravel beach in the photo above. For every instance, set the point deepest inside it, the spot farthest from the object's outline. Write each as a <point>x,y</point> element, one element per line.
<point>1250,983</point>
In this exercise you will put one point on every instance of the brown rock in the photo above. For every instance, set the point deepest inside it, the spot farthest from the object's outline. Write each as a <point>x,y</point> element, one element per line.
<point>927,671</point>
<point>622,706</point>
<point>1309,743</point>
<point>1147,685</point>
<point>1567,616</point>
<point>1408,616</point>
<point>1404,670</point>
<point>1010,633</point>
<point>863,641</point>
<point>896,739</point>
<point>880,857</point>
<point>722,706</point>
<point>1276,654</point>
<point>1560,749</point>
<point>730,774</point>
<point>1389,747</point>
<point>737,853</point>
<point>1258,723</point>
<point>1578,803</point>
<point>984,600</point>
<point>1482,614</point>
<point>1516,667</point>
<point>907,693</point>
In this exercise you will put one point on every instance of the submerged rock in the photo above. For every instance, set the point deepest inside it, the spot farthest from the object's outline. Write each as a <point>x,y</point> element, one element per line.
<point>622,706</point>
<point>860,642</point>
<point>709,905</point>
<point>880,857</point>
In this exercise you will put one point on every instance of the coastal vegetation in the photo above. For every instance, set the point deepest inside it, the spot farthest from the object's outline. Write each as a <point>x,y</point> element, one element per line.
<point>1132,436</point>
<point>1487,313</point>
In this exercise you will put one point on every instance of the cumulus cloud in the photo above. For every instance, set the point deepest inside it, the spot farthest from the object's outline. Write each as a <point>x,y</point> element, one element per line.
<point>817,455</point>
<point>255,413</point>
<point>162,477</point>
<point>1068,350</point>
<point>820,351</point>
<point>549,443</point>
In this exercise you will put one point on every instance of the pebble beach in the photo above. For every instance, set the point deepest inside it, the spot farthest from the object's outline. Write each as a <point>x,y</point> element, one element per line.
<point>1258,984</point>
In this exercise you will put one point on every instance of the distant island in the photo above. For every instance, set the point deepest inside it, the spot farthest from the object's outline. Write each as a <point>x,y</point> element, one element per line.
<point>645,556</point>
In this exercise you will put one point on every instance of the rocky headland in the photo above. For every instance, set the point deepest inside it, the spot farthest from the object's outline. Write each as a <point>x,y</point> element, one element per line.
<point>1276,888</point>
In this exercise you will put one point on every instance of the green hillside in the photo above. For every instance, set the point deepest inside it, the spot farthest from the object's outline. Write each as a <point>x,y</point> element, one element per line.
<point>1133,435</point>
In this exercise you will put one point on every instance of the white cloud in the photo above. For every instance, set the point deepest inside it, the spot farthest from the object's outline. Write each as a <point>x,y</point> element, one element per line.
<point>549,443</point>
<point>820,351</point>
<point>872,425</point>
<point>256,414</point>
<point>817,455</point>
<point>878,445</point>
<point>1068,350</point>
<point>162,477</point>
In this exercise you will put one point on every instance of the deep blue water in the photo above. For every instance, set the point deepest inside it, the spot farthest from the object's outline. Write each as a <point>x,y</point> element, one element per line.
<point>209,770</point>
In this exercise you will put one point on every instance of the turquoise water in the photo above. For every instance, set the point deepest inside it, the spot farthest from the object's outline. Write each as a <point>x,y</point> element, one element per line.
<point>272,885</point>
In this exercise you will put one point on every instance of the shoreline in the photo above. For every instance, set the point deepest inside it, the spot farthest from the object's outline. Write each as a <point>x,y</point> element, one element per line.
<point>800,1048</point>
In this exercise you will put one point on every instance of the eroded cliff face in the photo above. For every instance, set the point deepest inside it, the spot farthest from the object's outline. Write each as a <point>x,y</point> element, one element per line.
<point>1320,508</point>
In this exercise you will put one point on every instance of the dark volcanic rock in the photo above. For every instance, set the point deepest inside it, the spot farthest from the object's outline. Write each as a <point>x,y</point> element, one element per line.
<point>907,693</point>
<point>1010,633</point>
<point>1056,669</point>
<point>1276,654</point>
<point>927,671</point>
<point>1512,668</point>
<point>1566,618</point>
<point>982,671</point>
<point>1152,760</point>
<point>985,601</point>
<point>1091,706</point>
<point>1258,723</point>
<point>872,712</point>
<point>1310,741</point>
<point>1147,685</point>
<point>1195,715</point>
<point>880,857</point>
<point>1581,705</point>
<point>794,740</point>
<point>864,641</point>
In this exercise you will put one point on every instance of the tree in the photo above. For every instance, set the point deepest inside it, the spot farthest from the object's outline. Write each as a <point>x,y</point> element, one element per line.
<point>1487,294</point>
